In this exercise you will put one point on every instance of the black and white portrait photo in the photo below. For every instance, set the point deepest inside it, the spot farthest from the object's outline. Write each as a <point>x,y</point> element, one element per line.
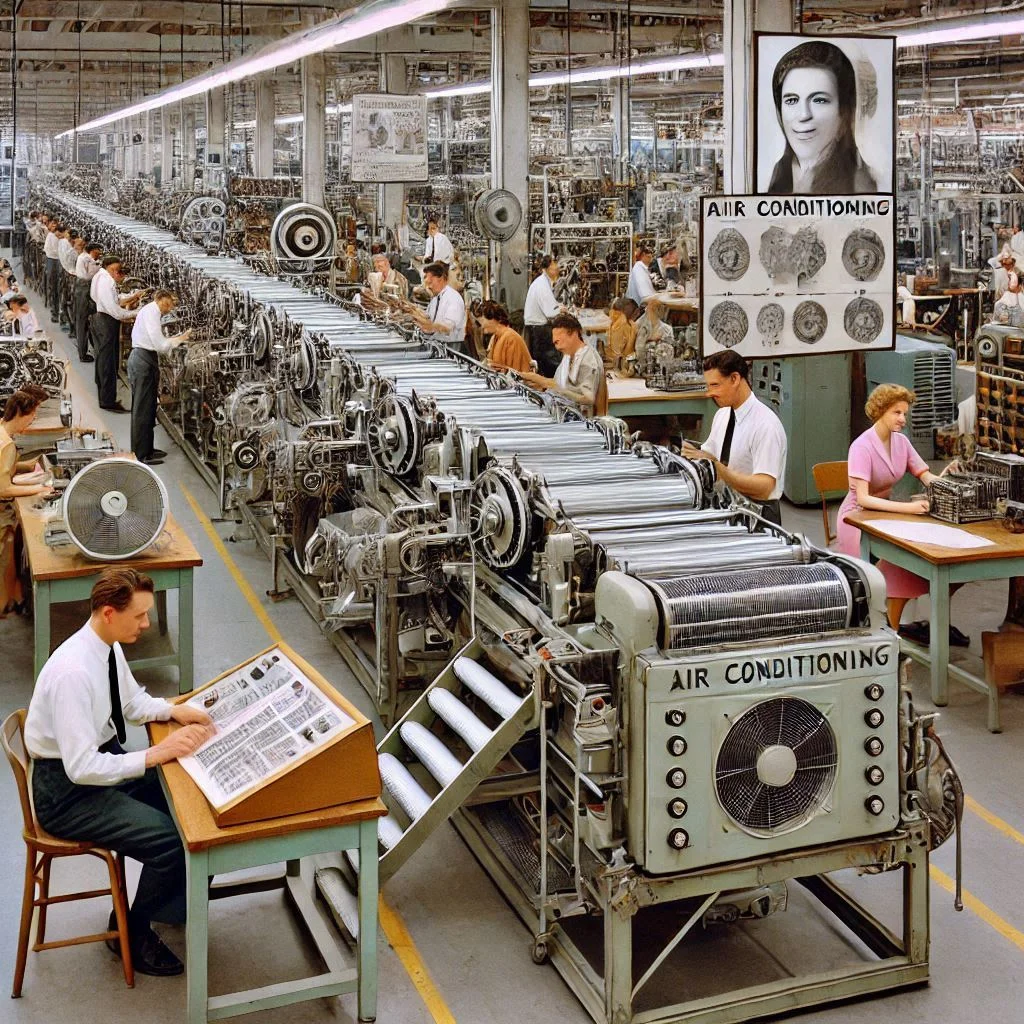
<point>825,114</point>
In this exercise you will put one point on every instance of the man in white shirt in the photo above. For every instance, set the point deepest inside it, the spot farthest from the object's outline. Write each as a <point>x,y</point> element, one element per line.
<point>87,266</point>
<point>580,374</point>
<point>19,312</point>
<point>148,343</point>
<point>111,311</point>
<point>51,250</point>
<point>86,787</point>
<point>641,287</point>
<point>69,248</point>
<point>747,443</point>
<point>540,309</point>
<point>437,248</point>
<point>668,264</point>
<point>446,312</point>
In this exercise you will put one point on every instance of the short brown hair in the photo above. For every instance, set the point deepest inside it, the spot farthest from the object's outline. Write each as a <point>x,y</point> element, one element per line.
<point>727,362</point>
<point>884,397</point>
<point>494,311</point>
<point>567,322</point>
<point>437,269</point>
<point>163,293</point>
<point>22,403</point>
<point>115,588</point>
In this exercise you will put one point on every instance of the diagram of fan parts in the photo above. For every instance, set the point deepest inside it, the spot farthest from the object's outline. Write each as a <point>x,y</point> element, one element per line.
<point>728,322</point>
<point>801,254</point>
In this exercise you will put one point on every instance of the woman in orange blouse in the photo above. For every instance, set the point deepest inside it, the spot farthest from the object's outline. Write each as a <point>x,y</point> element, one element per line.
<point>507,350</point>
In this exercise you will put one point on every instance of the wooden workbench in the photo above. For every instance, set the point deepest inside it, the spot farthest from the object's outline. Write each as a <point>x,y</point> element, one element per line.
<point>65,574</point>
<point>630,396</point>
<point>943,566</point>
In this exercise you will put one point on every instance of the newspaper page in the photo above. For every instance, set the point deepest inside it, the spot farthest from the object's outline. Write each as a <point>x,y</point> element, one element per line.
<point>389,138</point>
<point>267,713</point>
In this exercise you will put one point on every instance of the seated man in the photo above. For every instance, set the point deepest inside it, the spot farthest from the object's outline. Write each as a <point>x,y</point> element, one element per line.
<point>446,312</point>
<point>390,278</point>
<point>20,314</point>
<point>580,374</point>
<point>652,329</point>
<point>85,786</point>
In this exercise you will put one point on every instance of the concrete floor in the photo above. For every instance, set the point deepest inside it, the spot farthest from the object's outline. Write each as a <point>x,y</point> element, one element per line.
<point>471,956</point>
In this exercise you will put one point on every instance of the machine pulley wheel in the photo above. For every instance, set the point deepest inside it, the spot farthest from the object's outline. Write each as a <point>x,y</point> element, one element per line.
<point>500,517</point>
<point>393,435</point>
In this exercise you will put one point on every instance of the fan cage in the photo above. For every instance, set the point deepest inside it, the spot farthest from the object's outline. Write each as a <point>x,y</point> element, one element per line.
<point>766,811</point>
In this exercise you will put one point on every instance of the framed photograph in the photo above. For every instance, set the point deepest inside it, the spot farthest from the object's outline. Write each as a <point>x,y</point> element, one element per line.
<point>389,138</point>
<point>826,114</point>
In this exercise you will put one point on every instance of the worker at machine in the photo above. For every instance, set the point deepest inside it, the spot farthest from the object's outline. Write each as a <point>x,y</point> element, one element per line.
<point>1009,307</point>
<point>667,266</point>
<point>19,312</point>
<point>651,329</point>
<point>446,312</point>
<point>19,412</point>
<point>68,250</point>
<point>437,248</point>
<point>620,341</point>
<point>390,278</point>
<point>641,287</point>
<point>507,350</point>
<point>878,459</point>
<point>86,787</point>
<point>580,374</point>
<point>747,443</point>
<point>148,343</point>
<point>87,266</point>
<point>51,250</point>
<point>1008,267</point>
<point>540,310</point>
<point>112,309</point>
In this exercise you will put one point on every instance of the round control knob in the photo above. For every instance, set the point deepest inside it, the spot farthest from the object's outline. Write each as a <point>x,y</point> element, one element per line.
<point>874,775</point>
<point>678,839</point>
<point>675,717</point>
<point>874,718</point>
<point>874,804</point>
<point>873,691</point>
<point>874,746</point>
<point>677,746</point>
<point>677,808</point>
<point>677,778</point>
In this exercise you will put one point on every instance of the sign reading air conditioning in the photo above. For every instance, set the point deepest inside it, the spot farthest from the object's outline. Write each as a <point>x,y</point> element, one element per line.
<point>726,673</point>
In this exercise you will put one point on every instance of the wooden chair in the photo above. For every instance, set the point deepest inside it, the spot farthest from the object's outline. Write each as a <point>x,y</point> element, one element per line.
<point>829,478</point>
<point>41,849</point>
<point>1003,654</point>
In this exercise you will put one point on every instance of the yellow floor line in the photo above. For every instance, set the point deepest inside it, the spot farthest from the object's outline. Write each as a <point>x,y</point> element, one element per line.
<point>391,923</point>
<point>972,903</point>
<point>996,822</point>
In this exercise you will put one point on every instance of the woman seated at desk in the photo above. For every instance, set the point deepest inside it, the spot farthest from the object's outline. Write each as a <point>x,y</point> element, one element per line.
<point>878,459</point>
<point>507,350</point>
<point>19,412</point>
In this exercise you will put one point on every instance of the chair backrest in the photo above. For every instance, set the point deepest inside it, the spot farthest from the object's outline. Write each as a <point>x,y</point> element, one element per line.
<point>12,738</point>
<point>601,398</point>
<point>829,478</point>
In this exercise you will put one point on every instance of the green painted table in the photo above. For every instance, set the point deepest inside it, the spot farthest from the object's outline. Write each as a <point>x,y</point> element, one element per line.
<point>943,566</point>
<point>210,850</point>
<point>65,574</point>
<point>630,396</point>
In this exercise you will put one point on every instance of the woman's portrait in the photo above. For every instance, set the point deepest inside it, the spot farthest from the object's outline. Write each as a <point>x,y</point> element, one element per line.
<point>825,118</point>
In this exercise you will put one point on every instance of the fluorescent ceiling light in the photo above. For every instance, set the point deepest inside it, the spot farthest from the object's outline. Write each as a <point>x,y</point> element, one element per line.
<point>961,32</point>
<point>371,19</point>
<point>471,89</point>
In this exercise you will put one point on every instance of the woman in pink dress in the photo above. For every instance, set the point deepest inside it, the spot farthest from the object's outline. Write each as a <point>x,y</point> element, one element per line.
<point>877,460</point>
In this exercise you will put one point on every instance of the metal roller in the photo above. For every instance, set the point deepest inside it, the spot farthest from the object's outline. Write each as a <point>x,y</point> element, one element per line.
<point>431,752</point>
<point>406,791</point>
<point>488,687</point>
<point>459,718</point>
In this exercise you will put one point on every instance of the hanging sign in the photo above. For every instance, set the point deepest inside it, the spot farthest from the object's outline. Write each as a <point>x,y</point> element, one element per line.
<point>389,138</point>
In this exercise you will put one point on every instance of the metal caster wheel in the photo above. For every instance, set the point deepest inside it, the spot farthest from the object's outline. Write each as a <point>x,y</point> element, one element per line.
<point>540,952</point>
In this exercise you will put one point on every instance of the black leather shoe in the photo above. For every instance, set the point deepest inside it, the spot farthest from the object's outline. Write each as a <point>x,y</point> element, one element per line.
<point>86,359</point>
<point>116,407</point>
<point>916,632</point>
<point>152,461</point>
<point>958,639</point>
<point>159,453</point>
<point>150,956</point>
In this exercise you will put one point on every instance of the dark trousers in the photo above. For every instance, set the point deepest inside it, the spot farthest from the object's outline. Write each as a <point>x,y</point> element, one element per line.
<point>131,818</point>
<point>84,310</point>
<point>542,348</point>
<point>772,511</point>
<point>67,297</point>
<point>106,333</point>
<point>144,380</point>
<point>53,272</point>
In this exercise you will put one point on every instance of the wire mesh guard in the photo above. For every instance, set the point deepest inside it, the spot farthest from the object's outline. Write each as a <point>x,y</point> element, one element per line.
<point>776,766</point>
<point>761,604</point>
<point>115,508</point>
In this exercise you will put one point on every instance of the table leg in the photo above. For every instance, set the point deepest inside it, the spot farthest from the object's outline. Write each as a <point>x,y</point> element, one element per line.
<point>368,895</point>
<point>40,624</point>
<point>185,634</point>
<point>161,611</point>
<point>938,647</point>
<point>197,935</point>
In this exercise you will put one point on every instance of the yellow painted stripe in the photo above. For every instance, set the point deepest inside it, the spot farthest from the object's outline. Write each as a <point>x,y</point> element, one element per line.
<point>972,903</point>
<point>236,574</point>
<point>391,923</point>
<point>996,822</point>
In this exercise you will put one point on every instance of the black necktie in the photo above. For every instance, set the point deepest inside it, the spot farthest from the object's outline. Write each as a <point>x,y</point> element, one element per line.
<point>727,443</point>
<point>116,714</point>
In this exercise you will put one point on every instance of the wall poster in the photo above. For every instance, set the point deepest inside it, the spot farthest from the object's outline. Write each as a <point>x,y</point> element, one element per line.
<point>797,275</point>
<point>389,138</point>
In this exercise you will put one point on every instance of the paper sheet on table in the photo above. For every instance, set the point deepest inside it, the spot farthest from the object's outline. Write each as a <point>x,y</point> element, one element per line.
<point>929,533</point>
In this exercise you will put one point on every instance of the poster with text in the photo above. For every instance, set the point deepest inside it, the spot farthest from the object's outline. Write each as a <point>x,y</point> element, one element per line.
<point>389,138</point>
<point>797,275</point>
<point>826,114</point>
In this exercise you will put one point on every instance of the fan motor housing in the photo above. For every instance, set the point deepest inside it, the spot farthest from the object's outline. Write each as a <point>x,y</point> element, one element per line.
<point>770,748</point>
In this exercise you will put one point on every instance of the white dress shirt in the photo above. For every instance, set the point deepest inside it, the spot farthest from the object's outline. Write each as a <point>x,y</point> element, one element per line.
<point>69,714</point>
<point>50,246</point>
<point>640,287</point>
<point>147,332</point>
<point>67,255</point>
<point>438,248</point>
<point>758,442</point>
<point>103,291</point>
<point>38,231</point>
<point>448,308</point>
<point>86,267</point>
<point>541,304</point>
<point>27,324</point>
